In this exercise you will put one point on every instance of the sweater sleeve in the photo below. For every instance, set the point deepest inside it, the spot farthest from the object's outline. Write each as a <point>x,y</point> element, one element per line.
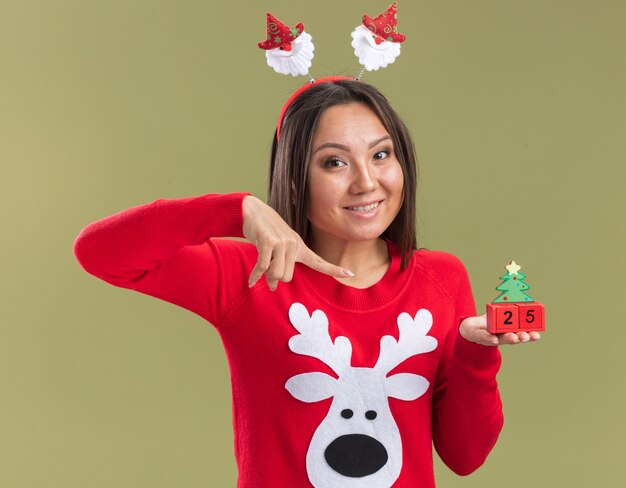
<point>163,249</point>
<point>467,410</point>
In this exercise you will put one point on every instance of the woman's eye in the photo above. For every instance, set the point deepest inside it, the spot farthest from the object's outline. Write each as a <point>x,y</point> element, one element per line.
<point>330,162</point>
<point>385,152</point>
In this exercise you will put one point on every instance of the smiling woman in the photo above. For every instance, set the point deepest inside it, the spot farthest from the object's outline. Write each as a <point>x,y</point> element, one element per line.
<point>410,362</point>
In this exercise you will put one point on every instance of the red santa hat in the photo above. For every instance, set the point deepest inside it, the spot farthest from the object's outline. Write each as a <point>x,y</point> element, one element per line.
<point>279,34</point>
<point>385,26</point>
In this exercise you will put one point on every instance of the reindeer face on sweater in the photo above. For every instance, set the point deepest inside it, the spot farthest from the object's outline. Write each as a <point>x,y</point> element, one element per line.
<point>358,443</point>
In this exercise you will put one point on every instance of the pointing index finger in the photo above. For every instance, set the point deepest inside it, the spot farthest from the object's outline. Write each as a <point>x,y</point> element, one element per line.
<point>314,261</point>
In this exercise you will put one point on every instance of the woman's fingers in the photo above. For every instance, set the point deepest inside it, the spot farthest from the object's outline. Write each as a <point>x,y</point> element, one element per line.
<point>263,263</point>
<point>276,261</point>
<point>508,338</point>
<point>277,267</point>
<point>290,261</point>
<point>524,336</point>
<point>518,337</point>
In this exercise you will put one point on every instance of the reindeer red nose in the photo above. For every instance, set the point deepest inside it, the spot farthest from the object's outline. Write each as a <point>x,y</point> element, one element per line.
<point>356,455</point>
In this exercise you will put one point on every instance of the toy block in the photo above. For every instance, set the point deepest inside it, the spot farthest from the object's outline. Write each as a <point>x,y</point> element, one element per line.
<point>502,317</point>
<point>514,310</point>
<point>531,316</point>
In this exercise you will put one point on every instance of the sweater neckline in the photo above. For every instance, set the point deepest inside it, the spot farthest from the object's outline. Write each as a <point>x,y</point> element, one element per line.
<point>348,297</point>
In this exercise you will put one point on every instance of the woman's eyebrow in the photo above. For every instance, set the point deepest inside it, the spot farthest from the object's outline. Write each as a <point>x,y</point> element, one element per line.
<point>346,148</point>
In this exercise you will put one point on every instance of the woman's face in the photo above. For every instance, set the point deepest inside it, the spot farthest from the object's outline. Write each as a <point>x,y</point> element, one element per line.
<point>352,164</point>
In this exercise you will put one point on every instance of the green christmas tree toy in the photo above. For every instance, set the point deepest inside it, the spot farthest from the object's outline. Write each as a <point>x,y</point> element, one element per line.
<point>514,310</point>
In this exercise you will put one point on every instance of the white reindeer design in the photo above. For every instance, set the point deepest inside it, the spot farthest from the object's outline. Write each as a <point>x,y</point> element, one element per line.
<point>358,444</point>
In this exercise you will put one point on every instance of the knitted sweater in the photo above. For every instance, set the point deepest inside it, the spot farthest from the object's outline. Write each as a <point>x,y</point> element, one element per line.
<point>332,386</point>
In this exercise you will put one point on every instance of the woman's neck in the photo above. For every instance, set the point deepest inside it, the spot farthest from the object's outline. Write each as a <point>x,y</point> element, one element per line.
<point>360,257</point>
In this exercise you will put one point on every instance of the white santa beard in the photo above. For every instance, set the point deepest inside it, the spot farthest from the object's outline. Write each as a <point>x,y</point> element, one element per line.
<point>371,55</point>
<point>295,62</point>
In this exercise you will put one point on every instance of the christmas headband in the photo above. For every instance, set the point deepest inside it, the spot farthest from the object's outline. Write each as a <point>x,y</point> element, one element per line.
<point>289,50</point>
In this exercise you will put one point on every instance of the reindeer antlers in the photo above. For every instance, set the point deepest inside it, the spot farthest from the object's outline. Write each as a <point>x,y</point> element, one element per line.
<point>315,341</point>
<point>413,340</point>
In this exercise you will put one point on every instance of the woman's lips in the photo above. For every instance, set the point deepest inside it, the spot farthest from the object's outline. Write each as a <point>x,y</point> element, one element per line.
<point>366,204</point>
<point>365,215</point>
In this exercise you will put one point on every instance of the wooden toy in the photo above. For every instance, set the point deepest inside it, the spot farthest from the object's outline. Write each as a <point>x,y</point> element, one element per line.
<point>514,310</point>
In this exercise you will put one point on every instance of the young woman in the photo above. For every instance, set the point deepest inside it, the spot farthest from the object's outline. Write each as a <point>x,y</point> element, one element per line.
<point>338,379</point>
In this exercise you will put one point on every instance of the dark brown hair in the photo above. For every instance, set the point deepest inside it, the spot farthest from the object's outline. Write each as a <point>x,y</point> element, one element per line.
<point>290,158</point>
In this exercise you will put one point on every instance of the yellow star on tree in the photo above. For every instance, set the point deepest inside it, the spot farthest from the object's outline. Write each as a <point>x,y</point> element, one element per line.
<point>513,268</point>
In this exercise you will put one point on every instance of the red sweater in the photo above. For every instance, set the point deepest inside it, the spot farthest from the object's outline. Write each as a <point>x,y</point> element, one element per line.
<point>332,386</point>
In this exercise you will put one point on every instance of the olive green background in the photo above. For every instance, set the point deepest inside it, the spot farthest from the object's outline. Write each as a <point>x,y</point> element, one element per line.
<point>518,111</point>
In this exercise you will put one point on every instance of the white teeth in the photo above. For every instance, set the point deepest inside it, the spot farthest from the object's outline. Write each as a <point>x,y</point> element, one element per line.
<point>365,209</point>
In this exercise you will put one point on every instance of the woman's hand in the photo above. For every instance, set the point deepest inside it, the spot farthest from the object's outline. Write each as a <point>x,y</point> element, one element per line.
<point>474,329</point>
<point>278,245</point>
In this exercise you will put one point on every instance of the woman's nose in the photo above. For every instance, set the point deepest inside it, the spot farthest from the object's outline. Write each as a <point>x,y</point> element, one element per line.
<point>364,179</point>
